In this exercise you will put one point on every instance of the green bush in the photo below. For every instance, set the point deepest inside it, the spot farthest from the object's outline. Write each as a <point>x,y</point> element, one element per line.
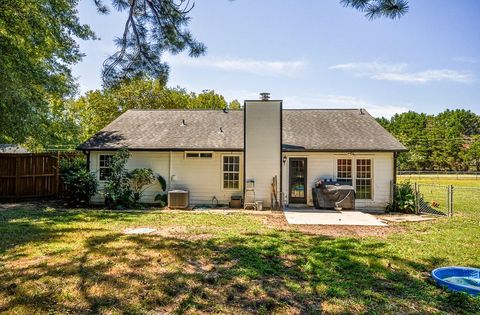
<point>80,184</point>
<point>140,179</point>
<point>404,199</point>
<point>162,197</point>
<point>118,192</point>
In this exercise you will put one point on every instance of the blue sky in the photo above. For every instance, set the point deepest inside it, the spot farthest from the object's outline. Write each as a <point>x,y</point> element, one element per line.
<point>318,54</point>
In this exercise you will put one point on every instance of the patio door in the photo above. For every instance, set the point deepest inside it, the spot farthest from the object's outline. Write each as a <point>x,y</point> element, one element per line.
<point>297,170</point>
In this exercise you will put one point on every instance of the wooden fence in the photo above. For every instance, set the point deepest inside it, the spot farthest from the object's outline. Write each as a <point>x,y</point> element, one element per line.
<point>29,175</point>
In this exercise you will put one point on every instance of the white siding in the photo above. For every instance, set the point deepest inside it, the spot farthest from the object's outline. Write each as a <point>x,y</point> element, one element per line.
<point>262,145</point>
<point>201,177</point>
<point>322,165</point>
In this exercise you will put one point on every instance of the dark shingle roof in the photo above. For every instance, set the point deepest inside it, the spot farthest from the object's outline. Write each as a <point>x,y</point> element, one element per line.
<point>315,130</point>
<point>335,130</point>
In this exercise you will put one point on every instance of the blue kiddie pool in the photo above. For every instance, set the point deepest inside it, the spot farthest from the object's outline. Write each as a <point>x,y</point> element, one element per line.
<point>461,279</point>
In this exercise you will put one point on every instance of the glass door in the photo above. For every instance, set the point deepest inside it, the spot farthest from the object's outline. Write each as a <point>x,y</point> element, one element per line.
<point>297,180</point>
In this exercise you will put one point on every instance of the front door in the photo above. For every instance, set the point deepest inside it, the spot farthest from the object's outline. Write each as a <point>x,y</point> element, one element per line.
<point>297,171</point>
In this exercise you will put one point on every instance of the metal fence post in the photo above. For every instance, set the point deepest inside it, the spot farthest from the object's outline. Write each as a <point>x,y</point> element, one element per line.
<point>416,197</point>
<point>450,200</point>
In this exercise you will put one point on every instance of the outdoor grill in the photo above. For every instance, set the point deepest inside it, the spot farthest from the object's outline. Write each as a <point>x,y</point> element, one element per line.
<point>331,195</point>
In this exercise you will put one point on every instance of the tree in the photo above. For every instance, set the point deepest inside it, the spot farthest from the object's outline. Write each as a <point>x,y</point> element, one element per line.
<point>157,26</point>
<point>447,141</point>
<point>140,180</point>
<point>152,28</point>
<point>37,44</point>
<point>117,190</point>
<point>96,109</point>
<point>208,99</point>
<point>373,9</point>
<point>473,152</point>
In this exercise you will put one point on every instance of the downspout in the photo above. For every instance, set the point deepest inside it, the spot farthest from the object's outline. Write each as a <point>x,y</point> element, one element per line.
<point>395,154</point>
<point>170,170</point>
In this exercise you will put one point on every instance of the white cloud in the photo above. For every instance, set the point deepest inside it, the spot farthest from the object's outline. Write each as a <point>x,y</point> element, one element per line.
<point>466,59</point>
<point>398,72</point>
<point>343,101</point>
<point>258,67</point>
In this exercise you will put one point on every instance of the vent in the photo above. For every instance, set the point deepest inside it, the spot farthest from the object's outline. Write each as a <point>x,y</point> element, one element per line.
<point>178,199</point>
<point>264,96</point>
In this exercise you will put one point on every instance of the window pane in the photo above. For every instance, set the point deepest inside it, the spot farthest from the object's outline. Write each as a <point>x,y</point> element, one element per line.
<point>364,179</point>
<point>231,174</point>
<point>344,171</point>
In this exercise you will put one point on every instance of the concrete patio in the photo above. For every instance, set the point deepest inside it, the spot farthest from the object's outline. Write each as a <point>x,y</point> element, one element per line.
<point>330,217</point>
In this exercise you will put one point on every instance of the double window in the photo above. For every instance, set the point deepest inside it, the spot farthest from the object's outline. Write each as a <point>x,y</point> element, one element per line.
<point>362,178</point>
<point>198,155</point>
<point>231,172</point>
<point>104,167</point>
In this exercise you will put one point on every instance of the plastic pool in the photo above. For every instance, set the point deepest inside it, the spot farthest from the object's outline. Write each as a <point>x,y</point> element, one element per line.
<point>463,279</point>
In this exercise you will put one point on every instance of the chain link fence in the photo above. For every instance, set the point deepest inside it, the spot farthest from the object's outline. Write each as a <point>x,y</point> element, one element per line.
<point>434,199</point>
<point>443,200</point>
<point>466,202</point>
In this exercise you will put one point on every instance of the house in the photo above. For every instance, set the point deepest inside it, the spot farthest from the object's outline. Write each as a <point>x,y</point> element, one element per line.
<point>213,153</point>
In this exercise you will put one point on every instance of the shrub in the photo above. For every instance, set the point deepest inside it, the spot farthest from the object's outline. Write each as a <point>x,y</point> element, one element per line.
<point>404,199</point>
<point>162,197</point>
<point>140,179</point>
<point>80,184</point>
<point>118,192</point>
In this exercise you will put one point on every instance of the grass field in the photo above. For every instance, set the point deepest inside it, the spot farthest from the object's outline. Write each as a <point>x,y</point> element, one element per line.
<point>56,261</point>
<point>466,192</point>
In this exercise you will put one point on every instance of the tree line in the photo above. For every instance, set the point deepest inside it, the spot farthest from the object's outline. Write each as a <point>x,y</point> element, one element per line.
<point>65,123</point>
<point>449,140</point>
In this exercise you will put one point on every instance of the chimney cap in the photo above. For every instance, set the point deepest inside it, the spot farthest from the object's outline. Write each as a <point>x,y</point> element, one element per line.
<point>264,96</point>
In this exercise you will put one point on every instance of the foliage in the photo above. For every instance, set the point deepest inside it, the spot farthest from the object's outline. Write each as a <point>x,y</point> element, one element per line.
<point>38,45</point>
<point>118,191</point>
<point>153,27</point>
<point>392,9</point>
<point>162,198</point>
<point>80,184</point>
<point>163,183</point>
<point>404,200</point>
<point>140,179</point>
<point>96,109</point>
<point>38,48</point>
<point>447,141</point>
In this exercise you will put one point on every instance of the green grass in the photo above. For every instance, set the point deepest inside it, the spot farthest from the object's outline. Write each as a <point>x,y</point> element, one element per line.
<point>54,261</point>
<point>466,193</point>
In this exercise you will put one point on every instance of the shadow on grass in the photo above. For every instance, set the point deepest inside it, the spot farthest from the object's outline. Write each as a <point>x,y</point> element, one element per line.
<point>259,272</point>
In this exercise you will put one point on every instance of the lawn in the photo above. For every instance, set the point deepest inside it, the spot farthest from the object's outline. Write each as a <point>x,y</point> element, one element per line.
<point>56,261</point>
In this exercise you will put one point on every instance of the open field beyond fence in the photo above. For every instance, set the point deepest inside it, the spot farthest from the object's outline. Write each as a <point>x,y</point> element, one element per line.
<point>466,192</point>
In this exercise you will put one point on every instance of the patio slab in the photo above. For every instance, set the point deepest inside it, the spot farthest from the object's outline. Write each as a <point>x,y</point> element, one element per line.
<point>330,217</point>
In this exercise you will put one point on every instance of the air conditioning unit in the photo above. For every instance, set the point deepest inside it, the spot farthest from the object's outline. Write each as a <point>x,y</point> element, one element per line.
<point>178,199</point>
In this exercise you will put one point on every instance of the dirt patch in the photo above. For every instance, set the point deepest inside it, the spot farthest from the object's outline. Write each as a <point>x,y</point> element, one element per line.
<point>404,217</point>
<point>278,221</point>
<point>181,232</point>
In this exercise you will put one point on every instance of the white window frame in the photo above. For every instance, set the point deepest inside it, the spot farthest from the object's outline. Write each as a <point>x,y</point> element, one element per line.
<point>222,172</point>
<point>354,171</point>
<point>371,178</point>
<point>102,167</point>
<point>352,164</point>
<point>198,157</point>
